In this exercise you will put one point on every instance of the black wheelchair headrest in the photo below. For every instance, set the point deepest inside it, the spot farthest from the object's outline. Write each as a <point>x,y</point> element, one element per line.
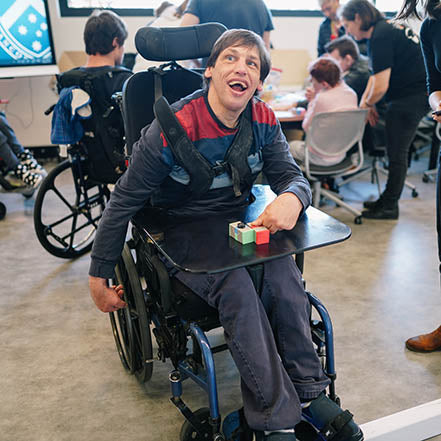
<point>180,43</point>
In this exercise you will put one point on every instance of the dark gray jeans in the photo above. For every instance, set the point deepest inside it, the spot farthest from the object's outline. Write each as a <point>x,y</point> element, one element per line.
<point>269,338</point>
<point>9,145</point>
<point>402,118</point>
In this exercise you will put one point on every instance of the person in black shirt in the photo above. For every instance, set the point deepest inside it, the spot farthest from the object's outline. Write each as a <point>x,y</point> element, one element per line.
<point>431,47</point>
<point>397,75</point>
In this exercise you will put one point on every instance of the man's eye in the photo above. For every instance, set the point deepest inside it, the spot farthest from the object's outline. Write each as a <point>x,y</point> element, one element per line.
<point>230,57</point>
<point>252,63</point>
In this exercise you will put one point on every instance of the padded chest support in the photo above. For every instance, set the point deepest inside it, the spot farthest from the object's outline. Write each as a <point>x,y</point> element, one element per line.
<point>201,171</point>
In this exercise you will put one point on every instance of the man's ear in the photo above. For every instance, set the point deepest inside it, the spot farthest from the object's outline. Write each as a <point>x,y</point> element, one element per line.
<point>207,72</point>
<point>260,86</point>
<point>115,43</point>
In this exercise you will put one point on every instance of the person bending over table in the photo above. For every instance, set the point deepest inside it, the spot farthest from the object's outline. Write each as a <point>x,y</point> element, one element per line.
<point>399,77</point>
<point>280,371</point>
<point>328,94</point>
<point>431,46</point>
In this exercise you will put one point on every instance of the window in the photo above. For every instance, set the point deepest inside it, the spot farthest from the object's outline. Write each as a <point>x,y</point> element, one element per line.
<point>146,7</point>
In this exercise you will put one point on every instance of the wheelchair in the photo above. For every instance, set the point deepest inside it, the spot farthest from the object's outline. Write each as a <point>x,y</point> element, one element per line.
<point>72,197</point>
<point>9,183</point>
<point>162,306</point>
<point>69,205</point>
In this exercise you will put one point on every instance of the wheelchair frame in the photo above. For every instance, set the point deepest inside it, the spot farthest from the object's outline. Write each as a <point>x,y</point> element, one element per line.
<point>153,303</point>
<point>150,299</point>
<point>67,237</point>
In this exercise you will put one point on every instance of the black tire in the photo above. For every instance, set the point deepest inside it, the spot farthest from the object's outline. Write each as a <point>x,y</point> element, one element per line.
<point>65,217</point>
<point>2,210</point>
<point>358,220</point>
<point>131,325</point>
<point>188,433</point>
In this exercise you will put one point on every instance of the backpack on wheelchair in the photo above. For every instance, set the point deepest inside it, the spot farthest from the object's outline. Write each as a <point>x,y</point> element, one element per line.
<point>165,307</point>
<point>72,198</point>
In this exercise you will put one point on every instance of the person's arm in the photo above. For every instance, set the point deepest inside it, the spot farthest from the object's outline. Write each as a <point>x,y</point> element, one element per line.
<point>189,19</point>
<point>378,86</point>
<point>432,74</point>
<point>148,168</point>
<point>267,39</point>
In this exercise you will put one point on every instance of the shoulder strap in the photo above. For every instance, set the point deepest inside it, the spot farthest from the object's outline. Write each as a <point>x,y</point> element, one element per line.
<point>197,166</point>
<point>200,170</point>
<point>237,155</point>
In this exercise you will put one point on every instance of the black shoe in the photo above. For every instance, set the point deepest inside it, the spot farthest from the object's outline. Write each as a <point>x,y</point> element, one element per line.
<point>381,212</point>
<point>372,204</point>
<point>331,420</point>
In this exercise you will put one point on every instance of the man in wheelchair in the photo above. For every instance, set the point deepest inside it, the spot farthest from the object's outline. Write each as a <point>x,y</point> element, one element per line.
<point>235,136</point>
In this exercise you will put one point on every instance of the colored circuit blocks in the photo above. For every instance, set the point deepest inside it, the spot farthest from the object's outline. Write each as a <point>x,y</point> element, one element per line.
<point>245,233</point>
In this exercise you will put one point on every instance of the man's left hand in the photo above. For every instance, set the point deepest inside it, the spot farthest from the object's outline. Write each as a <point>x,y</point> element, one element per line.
<point>281,214</point>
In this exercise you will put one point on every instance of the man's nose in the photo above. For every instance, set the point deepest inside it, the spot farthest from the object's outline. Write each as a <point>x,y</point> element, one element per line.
<point>241,66</point>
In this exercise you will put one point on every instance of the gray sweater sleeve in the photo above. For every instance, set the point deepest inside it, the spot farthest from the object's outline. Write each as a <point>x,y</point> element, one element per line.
<point>146,171</point>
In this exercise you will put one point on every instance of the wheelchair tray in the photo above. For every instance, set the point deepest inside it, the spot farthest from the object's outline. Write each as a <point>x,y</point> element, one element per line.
<point>204,246</point>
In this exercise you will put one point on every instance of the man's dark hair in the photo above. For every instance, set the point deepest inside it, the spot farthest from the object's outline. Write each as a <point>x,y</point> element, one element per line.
<point>367,12</point>
<point>240,37</point>
<point>345,46</point>
<point>325,69</point>
<point>102,27</point>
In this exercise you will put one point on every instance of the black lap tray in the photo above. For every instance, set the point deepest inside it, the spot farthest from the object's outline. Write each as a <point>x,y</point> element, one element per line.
<point>204,246</point>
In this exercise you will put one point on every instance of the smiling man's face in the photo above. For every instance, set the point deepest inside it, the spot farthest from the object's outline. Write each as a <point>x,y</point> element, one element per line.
<point>233,81</point>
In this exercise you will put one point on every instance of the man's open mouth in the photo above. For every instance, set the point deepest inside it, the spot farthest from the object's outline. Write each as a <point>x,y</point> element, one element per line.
<point>238,86</point>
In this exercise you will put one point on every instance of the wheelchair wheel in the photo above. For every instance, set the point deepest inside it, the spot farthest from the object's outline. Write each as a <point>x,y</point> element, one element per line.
<point>130,326</point>
<point>188,433</point>
<point>67,211</point>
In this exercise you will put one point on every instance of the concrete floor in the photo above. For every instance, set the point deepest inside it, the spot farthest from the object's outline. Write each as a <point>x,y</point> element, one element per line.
<point>62,379</point>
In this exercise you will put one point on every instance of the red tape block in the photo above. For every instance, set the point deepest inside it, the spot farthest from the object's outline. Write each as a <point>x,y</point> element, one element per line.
<point>262,235</point>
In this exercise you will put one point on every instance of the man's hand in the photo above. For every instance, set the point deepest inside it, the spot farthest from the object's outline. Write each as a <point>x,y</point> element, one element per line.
<point>373,116</point>
<point>106,299</point>
<point>281,214</point>
<point>309,94</point>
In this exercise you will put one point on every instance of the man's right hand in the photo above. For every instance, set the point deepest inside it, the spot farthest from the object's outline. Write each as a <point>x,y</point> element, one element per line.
<point>106,299</point>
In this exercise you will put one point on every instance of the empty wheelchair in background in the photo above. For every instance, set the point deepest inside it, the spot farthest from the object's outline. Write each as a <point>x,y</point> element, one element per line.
<point>72,197</point>
<point>160,305</point>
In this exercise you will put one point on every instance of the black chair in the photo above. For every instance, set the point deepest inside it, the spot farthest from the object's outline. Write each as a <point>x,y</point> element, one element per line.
<point>163,306</point>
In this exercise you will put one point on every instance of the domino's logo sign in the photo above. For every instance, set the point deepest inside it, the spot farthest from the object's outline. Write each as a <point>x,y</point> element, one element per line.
<point>24,33</point>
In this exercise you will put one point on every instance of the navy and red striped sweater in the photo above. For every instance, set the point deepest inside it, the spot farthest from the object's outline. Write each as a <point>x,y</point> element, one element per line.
<point>152,165</point>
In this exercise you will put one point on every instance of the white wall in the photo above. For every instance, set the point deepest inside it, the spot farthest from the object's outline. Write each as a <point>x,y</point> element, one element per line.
<point>29,97</point>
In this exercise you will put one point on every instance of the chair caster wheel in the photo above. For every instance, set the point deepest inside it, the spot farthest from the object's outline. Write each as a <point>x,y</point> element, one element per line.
<point>358,220</point>
<point>2,210</point>
<point>414,193</point>
<point>188,433</point>
<point>425,179</point>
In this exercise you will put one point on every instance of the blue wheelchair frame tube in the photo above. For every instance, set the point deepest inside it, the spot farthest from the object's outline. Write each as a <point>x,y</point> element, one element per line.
<point>329,337</point>
<point>209,383</point>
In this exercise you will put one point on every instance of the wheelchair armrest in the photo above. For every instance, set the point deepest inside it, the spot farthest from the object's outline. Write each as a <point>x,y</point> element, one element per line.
<point>164,284</point>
